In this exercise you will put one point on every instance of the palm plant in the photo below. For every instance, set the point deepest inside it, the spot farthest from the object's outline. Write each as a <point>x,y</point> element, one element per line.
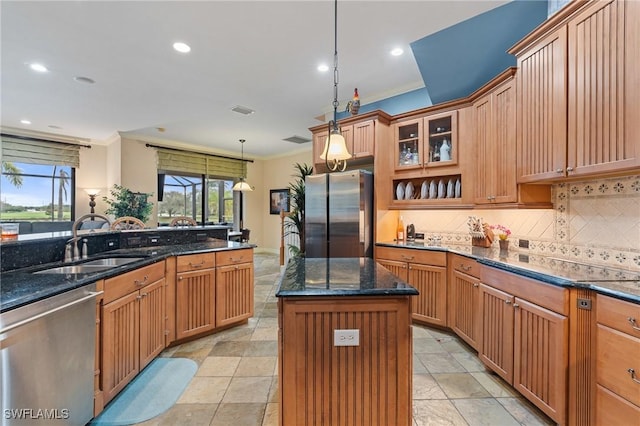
<point>13,173</point>
<point>295,226</point>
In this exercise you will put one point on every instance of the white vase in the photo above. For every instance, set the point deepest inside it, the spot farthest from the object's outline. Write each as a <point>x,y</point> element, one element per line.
<point>445,151</point>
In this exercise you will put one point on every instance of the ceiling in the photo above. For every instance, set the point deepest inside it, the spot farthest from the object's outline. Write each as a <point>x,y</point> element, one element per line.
<point>257,54</point>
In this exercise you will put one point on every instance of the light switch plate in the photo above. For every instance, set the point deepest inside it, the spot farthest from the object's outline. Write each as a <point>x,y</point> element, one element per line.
<point>346,337</point>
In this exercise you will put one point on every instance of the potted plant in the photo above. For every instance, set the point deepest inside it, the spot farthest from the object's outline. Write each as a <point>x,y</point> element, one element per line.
<point>125,202</point>
<point>503,236</point>
<point>297,193</point>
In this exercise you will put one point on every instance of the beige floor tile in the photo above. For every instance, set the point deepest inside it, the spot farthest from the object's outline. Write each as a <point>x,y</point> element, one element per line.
<point>436,413</point>
<point>273,390</point>
<point>239,415</point>
<point>427,346</point>
<point>219,366</point>
<point>484,412</point>
<point>229,348</point>
<point>184,415</point>
<point>261,348</point>
<point>265,334</point>
<point>441,363</point>
<point>497,387</point>
<point>205,390</point>
<point>418,366</point>
<point>268,323</point>
<point>470,361</point>
<point>525,412</point>
<point>256,366</point>
<point>460,385</point>
<point>425,387</point>
<point>271,414</point>
<point>248,389</point>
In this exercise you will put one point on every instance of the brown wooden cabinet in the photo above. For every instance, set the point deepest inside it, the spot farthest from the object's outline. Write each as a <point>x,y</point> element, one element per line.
<point>463,294</point>
<point>617,361</point>
<point>234,286</point>
<point>195,294</point>
<point>133,325</point>
<point>427,272</point>
<point>525,337</point>
<point>577,97</point>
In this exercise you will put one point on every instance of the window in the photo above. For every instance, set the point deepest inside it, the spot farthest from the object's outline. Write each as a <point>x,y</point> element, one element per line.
<point>182,194</point>
<point>37,192</point>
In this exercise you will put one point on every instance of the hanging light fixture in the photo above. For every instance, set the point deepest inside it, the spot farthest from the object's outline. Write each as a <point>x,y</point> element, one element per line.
<point>335,153</point>
<point>242,185</point>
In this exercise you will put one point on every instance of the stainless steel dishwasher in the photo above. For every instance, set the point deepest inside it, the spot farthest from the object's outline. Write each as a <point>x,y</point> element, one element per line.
<point>47,351</point>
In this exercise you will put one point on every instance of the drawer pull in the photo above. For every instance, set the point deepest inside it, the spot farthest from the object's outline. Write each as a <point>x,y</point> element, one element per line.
<point>465,268</point>
<point>236,260</point>
<point>632,372</point>
<point>405,257</point>
<point>196,265</point>
<point>632,321</point>
<point>143,282</point>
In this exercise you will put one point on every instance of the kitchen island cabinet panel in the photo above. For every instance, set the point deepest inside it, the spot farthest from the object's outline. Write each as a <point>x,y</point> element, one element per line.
<point>496,348</point>
<point>152,321</point>
<point>463,296</point>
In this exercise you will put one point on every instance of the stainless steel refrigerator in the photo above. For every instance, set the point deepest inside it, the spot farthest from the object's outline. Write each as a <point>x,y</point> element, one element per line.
<point>339,214</point>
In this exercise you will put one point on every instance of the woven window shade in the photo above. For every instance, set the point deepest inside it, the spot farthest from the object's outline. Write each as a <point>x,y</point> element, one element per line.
<point>186,162</point>
<point>17,150</point>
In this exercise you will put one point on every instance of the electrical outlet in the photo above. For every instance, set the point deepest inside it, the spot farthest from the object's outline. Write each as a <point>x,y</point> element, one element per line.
<point>523,243</point>
<point>346,337</point>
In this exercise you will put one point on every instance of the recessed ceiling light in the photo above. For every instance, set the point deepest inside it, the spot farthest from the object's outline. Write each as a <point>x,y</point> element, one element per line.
<point>181,47</point>
<point>25,121</point>
<point>242,110</point>
<point>38,67</point>
<point>397,51</point>
<point>86,80</point>
<point>323,67</point>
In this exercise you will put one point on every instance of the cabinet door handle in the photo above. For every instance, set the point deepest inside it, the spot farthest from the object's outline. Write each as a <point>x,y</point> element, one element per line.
<point>508,302</point>
<point>515,305</point>
<point>569,169</point>
<point>632,372</point>
<point>560,171</point>
<point>632,321</point>
<point>196,265</point>
<point>143,282</point>
<point>476,285</point>
<point>180,278</point>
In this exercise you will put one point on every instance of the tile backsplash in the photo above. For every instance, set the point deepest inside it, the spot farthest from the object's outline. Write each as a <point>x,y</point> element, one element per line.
<point>594,221</point>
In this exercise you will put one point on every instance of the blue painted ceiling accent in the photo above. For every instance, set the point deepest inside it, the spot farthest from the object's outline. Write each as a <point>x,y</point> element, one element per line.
<point>456,61</point>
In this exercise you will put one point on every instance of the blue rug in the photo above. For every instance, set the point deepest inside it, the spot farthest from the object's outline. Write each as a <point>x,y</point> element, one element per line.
<point>151,393</point>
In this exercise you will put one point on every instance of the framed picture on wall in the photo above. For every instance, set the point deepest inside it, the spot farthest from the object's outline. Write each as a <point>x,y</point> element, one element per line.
<point>278,200</point>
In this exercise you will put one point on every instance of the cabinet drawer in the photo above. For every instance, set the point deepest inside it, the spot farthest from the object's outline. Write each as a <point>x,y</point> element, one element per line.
<point>232,257</point>
<point>435,258</point>
<point>618,314</point>
<point>617,355</point>
<point>613,410</point>
<point>464,265</point>
<point>194,262</point>
<point>548,296</point>
<point>132,281</point>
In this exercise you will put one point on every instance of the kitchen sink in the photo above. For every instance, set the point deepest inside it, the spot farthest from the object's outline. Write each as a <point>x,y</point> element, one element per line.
<point>90,266</point>
<point>111,261</point>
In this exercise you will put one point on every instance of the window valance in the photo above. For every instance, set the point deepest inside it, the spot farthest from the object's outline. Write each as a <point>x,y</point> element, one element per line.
<point>193,162</point>
<point>17,149</point>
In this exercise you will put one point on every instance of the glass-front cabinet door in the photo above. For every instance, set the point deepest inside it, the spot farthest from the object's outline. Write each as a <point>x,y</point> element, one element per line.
<point>408,145</point>
<point>441,141</point>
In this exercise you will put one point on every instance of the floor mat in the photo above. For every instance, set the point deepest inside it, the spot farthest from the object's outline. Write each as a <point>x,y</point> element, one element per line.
<point>151,393</point>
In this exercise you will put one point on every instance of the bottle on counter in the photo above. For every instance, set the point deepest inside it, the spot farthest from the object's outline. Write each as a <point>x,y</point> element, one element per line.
<point>400,230</point>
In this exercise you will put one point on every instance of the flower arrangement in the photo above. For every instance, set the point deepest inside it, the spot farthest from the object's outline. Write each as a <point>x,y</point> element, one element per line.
<point>502,231</point>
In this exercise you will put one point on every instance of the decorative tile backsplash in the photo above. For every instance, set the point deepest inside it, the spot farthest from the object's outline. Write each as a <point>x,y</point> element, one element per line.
<point>594,221</point>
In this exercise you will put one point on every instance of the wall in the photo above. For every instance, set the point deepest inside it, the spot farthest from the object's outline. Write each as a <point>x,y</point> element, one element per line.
<point>592,220</point>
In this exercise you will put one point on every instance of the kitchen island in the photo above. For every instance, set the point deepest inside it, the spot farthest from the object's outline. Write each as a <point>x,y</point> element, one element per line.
<point>344,343</point>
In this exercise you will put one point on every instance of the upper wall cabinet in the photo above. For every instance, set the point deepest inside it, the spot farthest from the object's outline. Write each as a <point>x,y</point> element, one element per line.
<point>577,102</point>
<point>361,133</point>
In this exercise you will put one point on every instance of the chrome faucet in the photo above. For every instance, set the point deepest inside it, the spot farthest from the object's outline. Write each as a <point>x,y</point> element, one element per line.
<point>72,251</point>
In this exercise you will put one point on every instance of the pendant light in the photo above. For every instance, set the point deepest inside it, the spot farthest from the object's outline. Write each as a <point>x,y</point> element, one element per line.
<point>242,185</point>
<point>335,153</point>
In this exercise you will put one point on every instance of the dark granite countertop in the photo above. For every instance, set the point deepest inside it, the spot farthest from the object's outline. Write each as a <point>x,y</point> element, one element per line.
<point>340,277</point>
<point>21,286</point>
<point>619,283</point>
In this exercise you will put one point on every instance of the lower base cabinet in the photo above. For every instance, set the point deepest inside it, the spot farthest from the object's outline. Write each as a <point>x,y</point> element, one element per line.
<point>463,294</point>
<point>427,272</point>
<point>133,325</point>
<point>525,337</point>
<point>195,294</point>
